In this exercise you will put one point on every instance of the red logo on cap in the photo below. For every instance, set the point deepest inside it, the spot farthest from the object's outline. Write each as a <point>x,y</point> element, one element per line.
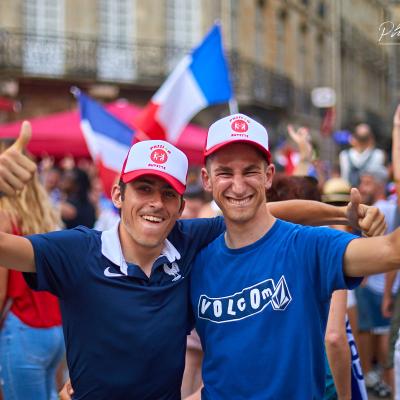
<point>159,156</point>
<point>239,125</point>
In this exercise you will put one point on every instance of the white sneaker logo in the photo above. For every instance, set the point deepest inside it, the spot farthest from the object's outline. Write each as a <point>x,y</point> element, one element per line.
<point>110,274</point>
<point>173,270</point>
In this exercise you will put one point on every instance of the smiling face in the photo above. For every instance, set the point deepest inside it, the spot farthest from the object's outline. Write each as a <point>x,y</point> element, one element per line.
<point>149,209</point>
<point>238,175</point>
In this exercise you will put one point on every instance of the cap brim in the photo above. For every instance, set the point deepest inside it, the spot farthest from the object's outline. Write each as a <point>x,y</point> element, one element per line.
<point>251,142</point>
<point>177,185</point>
<point>336,198</point>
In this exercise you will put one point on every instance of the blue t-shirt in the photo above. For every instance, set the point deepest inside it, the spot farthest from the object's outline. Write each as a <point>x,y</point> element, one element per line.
<point>125,333</point>
<point>261,312</point>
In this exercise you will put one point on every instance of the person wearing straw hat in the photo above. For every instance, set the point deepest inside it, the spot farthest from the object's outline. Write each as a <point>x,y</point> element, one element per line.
<point>260,292</point>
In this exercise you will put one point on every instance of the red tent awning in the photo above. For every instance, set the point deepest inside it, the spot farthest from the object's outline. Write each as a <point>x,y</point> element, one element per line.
<point>60,134</point>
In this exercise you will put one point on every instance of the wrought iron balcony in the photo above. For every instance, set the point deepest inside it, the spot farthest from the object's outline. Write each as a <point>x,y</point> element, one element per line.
<point>257,84</point>
<point>140,63</point>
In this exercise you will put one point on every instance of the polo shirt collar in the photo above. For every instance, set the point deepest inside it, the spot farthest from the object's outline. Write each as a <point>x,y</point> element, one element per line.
<point>111,249</point>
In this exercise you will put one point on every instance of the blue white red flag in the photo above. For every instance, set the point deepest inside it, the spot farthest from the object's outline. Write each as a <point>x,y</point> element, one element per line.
<point>199,80</point>
<point>107,138</point>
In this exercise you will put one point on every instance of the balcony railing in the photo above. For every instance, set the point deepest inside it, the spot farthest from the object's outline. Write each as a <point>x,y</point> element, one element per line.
<point>140,63</point>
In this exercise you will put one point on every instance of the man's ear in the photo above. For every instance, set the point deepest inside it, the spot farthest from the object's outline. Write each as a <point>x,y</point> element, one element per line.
<point>205,177</point>
<point>183,203</point>
<point>269,173</point>
<point>116,196</point>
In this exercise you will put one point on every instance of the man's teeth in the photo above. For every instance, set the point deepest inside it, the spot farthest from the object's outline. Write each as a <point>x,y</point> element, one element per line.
<point>239,202</point>
<point>152,218</point>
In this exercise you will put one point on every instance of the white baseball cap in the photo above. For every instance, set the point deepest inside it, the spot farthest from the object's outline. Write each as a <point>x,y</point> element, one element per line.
<point>236,128</point>
<point>156,157</point>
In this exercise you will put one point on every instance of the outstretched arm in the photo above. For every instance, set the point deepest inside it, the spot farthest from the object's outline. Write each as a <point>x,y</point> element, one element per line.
<point>15,168</point>
<point>373,255</point>
<point>306,212</point>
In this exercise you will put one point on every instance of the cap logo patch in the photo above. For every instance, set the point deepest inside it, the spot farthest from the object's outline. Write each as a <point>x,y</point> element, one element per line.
<point>159,156</point>
<point>239,126</point>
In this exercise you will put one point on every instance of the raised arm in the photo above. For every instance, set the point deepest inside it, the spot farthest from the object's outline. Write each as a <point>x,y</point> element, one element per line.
<point>15,168</point>
<point>306,212</point>
<point>396,151</point>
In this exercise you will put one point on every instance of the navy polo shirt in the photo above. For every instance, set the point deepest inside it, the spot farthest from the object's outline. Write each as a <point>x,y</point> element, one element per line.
<point>125,333</point>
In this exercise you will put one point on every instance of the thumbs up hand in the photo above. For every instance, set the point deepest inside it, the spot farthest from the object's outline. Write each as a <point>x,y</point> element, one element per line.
<point>16,168</point>
<point>366,218</point>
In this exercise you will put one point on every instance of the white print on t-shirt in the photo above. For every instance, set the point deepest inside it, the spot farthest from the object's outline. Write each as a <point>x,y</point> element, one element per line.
<point>246,303</point>
<point>173,270</point>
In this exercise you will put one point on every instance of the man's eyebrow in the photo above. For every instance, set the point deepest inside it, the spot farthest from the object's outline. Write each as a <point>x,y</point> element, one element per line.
<point>152,183</point>
<point>144,180</point>
<point>223,168</point>
<point>252,167</point>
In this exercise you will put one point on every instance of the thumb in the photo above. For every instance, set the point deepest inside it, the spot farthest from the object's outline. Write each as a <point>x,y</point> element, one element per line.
<point>24,137</point>
<point>355,199</point>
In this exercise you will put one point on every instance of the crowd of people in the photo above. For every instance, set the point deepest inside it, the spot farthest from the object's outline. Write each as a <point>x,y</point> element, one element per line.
<point>279,309</point>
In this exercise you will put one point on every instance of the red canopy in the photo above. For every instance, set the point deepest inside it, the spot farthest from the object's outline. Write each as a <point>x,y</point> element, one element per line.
<point>60,134</point>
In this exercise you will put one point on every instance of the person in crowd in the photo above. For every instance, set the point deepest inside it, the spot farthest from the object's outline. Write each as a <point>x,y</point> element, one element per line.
<point>76,207</point>
<point>361,155</point>
<point>195,200</point>
<point>372,325</point>
<point>264,286</point>
<point>31,339</point>
<point>392,308</point>
<point>345,378</point>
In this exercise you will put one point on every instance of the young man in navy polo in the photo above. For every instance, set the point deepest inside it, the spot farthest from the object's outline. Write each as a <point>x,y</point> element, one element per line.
<point>261,291</point>
<point>124,292</point>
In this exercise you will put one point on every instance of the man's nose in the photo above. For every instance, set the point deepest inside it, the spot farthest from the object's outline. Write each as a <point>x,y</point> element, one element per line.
<point>156,199</point>
<point>238,185</point>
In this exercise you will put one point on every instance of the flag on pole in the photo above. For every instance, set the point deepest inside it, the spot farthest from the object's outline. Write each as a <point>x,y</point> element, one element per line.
<point>199,80</point>
<point>107,138</point>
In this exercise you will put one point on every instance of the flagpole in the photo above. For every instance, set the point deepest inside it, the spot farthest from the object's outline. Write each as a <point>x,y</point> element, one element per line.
<point>75,91</point>
<point>233,106</point>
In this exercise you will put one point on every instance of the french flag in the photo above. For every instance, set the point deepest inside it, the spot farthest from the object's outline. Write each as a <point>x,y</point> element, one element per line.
<point>199,80</point>
<point>107,138</point>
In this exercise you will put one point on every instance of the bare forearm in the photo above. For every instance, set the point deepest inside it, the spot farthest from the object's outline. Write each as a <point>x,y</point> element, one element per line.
<point>373,255</point>
<point>396,152</point>
<point>16,252</point>
<point>308,212</point>
<point>389,281</point>
<point>340,364</point>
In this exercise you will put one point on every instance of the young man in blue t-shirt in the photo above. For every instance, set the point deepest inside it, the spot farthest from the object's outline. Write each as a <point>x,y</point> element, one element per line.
<point>261,291</point>
<point>124,292</point>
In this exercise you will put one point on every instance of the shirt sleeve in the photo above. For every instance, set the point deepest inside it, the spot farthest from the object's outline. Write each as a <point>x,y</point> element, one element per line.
<point>60,258</point>
<point>324,250</point>
<point>202,231</point>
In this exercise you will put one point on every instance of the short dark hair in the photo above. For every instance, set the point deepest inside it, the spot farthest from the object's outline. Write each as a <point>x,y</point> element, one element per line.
<point>122,188</point>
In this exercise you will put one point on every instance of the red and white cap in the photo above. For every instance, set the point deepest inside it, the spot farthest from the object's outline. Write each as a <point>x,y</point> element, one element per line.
<point>156,157</point>
<point>236,128</point>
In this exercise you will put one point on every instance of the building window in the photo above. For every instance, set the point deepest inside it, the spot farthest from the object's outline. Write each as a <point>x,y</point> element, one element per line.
<point>116,57</point>
<point>320,62</point>
<point>321,9</point>
<point>183,28</point>
<point>302,57</point>
<point>281,42</point>
<point>259,47</point>
<point>44,44</point>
